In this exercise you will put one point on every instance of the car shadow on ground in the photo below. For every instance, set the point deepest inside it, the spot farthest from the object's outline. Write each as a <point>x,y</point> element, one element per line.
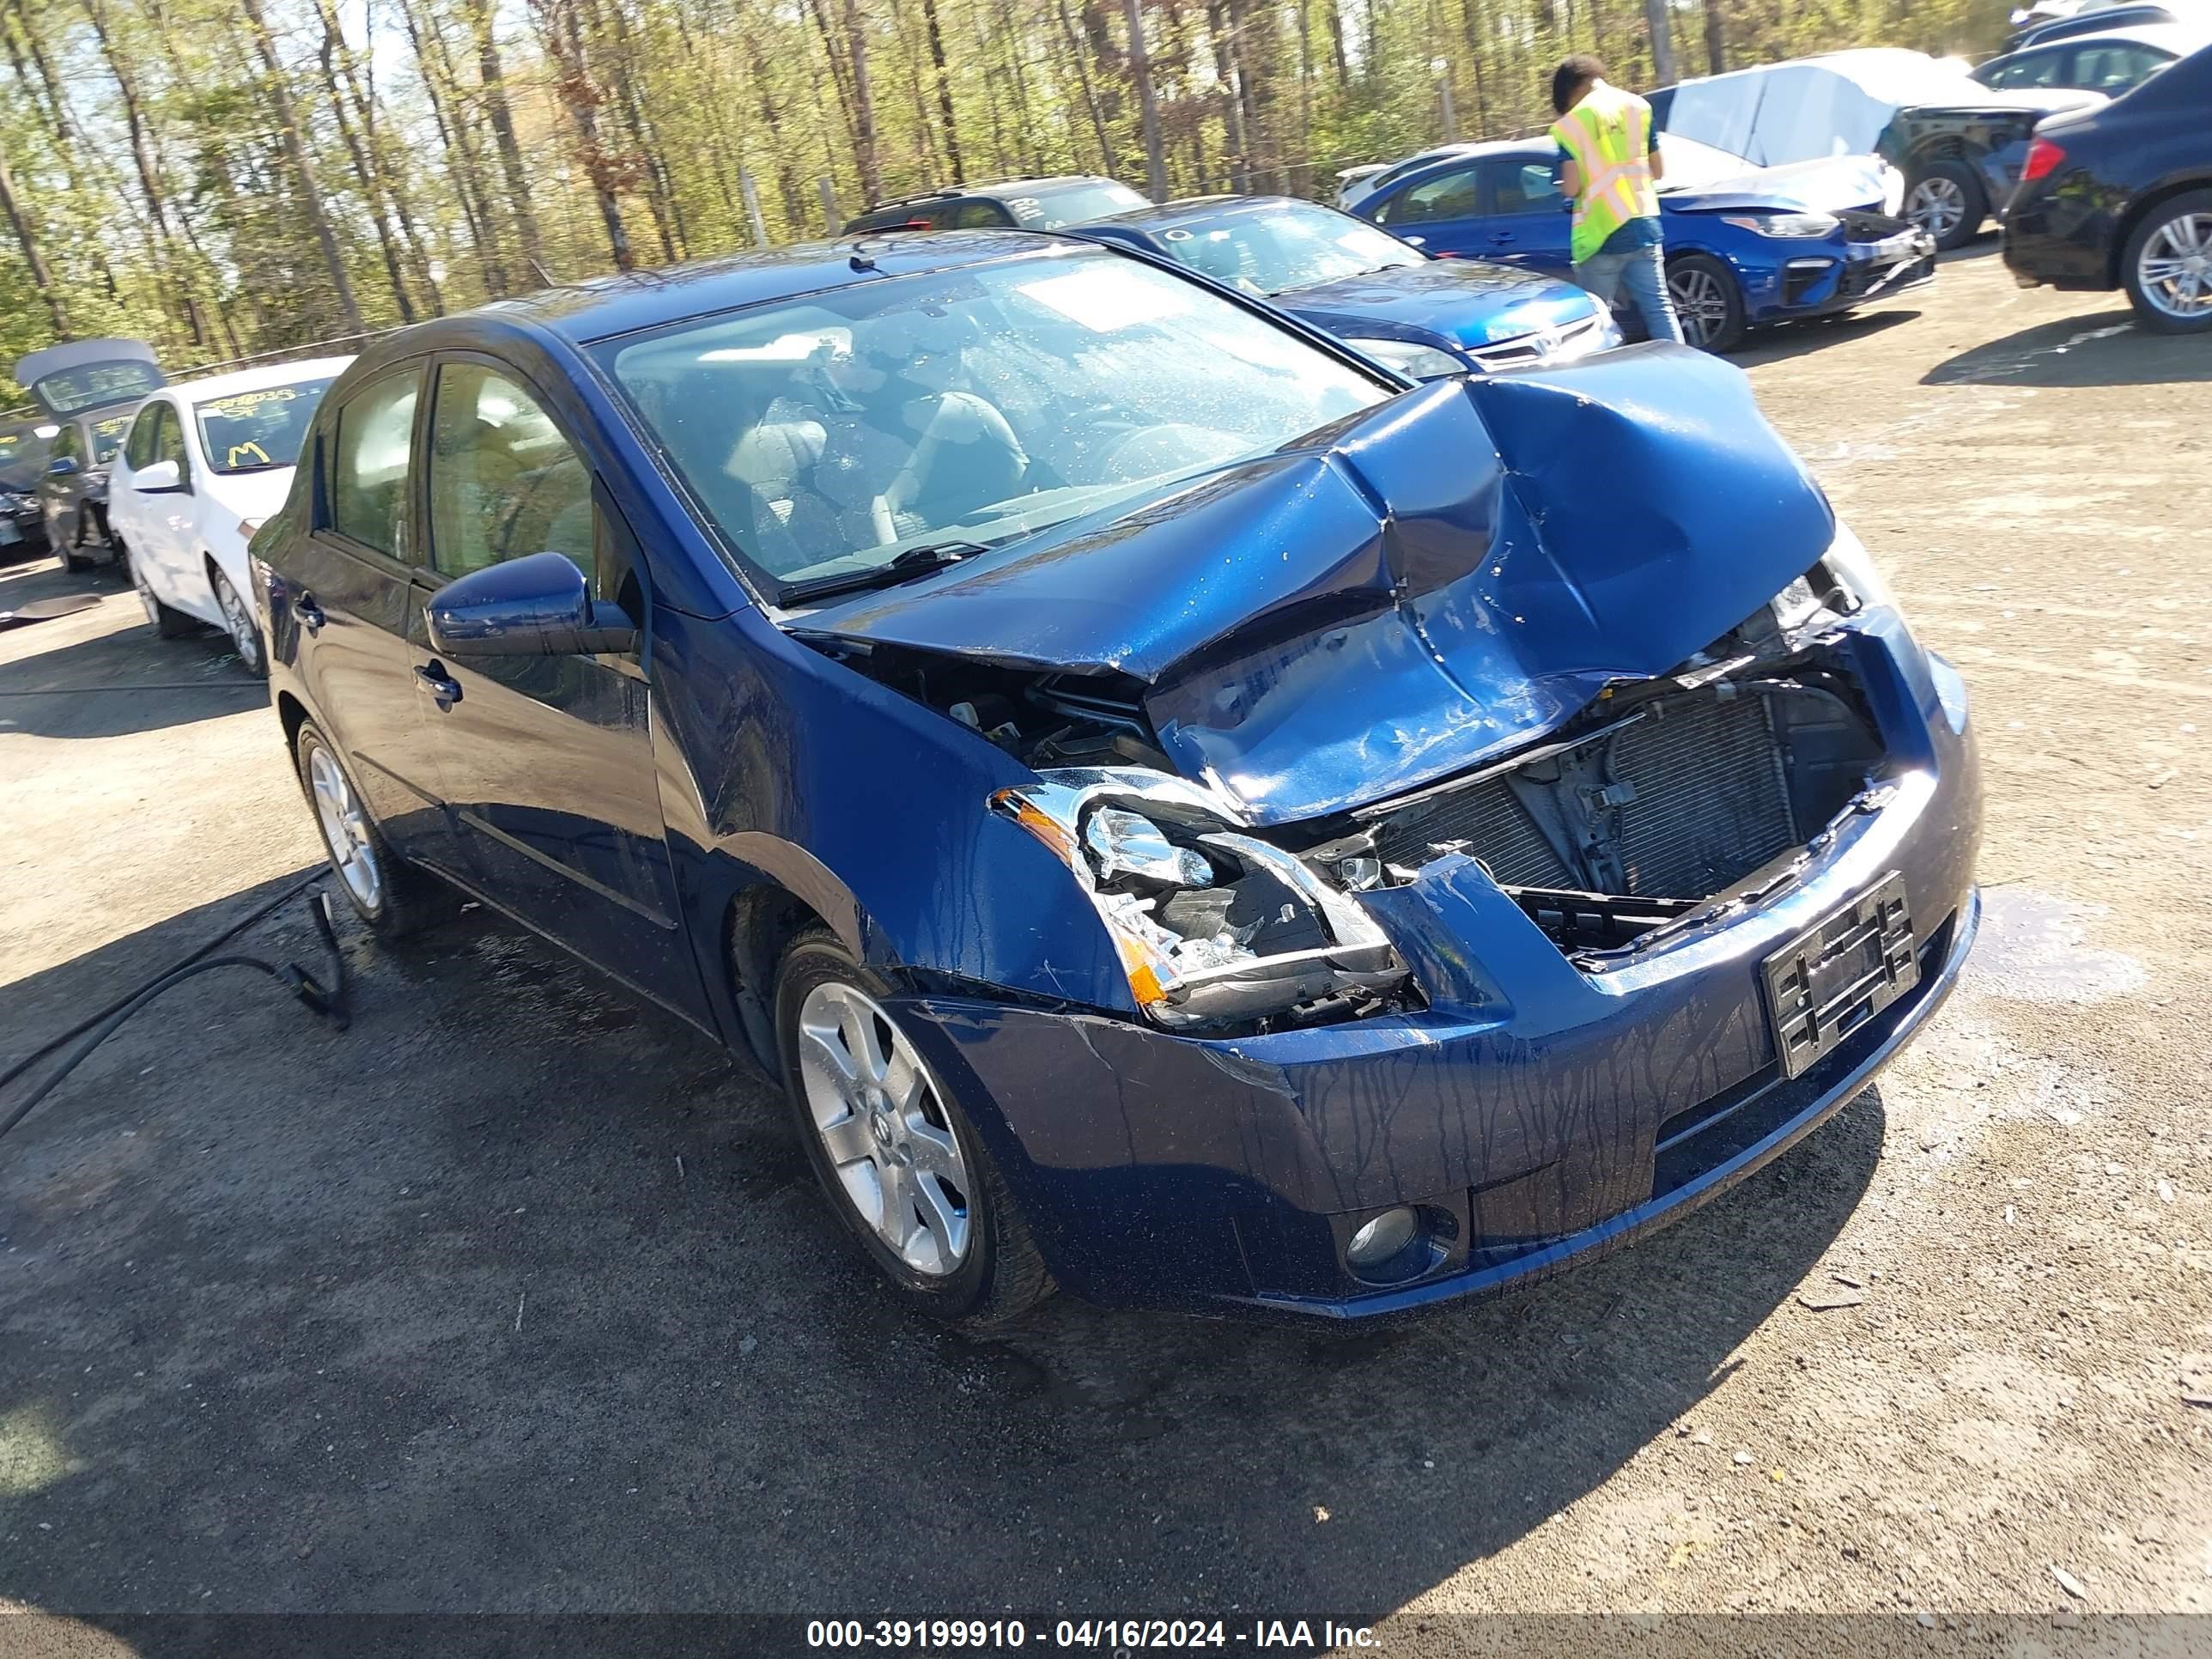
<point>1787,340</point>
<point>537,1280</point>
<point>2106,348</point>
<point>100,687</point>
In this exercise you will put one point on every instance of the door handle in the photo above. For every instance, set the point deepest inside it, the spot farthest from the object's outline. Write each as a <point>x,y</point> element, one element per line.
<point>1500,238</point>
<point>444,689</point>
<point>309,613</point>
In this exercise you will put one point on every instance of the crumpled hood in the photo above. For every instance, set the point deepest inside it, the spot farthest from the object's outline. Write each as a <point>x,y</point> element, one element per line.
<point>1436,581</point>
<point>1470,301</point>
<point>1842,184</point>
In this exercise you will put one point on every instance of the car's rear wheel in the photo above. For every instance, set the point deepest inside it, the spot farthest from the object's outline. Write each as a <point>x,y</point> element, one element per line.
<point>1707,302</point>
<point>238,622</point>
<point>169,621</point>
<point>65,547</point>
<point>2168,266</point>
<point>1946,200</point>
<point>900,1162</point>
<point>394,897</point>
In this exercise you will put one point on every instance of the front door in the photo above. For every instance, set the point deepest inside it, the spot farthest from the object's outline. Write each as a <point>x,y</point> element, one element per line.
<point>1525,219</point>
<point>355,598</point>
<point>547,761</point>
<point>1439,215</point>
<point>164,520</point>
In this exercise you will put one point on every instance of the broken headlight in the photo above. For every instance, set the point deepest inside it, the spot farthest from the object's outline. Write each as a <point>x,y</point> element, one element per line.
<point>1212,925</point>
<point>1851,568</point>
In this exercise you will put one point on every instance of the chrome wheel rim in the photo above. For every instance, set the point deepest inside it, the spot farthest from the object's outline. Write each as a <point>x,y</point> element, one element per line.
<point>1937,205</point>
<point>145,589</point>
<point>2175,267</point>
<point>345,830</point>
<point>244,634</point>
<point>1700,303</point>
<point>883,1127</point>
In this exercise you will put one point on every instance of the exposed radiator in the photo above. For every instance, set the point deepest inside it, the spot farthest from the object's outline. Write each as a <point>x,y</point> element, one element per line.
<point>1679,803</point>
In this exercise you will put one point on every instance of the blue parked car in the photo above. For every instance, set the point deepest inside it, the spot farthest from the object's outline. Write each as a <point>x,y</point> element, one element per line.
<point>1425,316</point>
<point>1187,814</point>
<point>1745,245</point>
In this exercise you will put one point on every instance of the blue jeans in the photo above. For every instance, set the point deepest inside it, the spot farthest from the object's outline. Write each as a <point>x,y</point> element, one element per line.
<point>1644,270</point>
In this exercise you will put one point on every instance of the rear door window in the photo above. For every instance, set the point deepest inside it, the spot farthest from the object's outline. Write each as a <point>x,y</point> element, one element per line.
<point>1451,195</point>
<point>370,463</point>
<point>1517,185</point>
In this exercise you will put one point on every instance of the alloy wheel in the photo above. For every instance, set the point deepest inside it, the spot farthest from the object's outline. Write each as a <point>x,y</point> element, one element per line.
<point>345,830</point>
<point>1937,205</point>
<point>2175,267</point>
<point>877,1110</point>
<point>245,633</point>
<point>1700,304</point>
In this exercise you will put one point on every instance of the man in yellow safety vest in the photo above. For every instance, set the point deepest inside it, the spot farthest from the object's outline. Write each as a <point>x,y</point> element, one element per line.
<point>1613,159</point>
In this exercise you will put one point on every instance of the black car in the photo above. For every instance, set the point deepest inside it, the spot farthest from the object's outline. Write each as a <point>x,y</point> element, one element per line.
<point>2094,21</point>
<point>22,457</point>
<point>1023,204</point>
<point>88,389</point>
<point>2108,60</point>
<point>1962,156</point>
<point>2121,197</point>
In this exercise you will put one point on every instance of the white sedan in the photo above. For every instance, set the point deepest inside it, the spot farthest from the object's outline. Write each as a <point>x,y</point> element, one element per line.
<point>205,462</point>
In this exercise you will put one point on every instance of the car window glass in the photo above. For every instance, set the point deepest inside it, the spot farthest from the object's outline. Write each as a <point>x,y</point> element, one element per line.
<point>107,435</point>
<point>138,448</point>
<point>67,443</point>
<point>368,484</point>
<point>1447,196</point>
<point>977,215</point>
<point>1523,187</point>
<point>169,442</point>
<point>504,483</point>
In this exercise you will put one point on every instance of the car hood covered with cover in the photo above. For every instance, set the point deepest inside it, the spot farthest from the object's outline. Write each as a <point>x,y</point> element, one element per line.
<point>1427,585</point>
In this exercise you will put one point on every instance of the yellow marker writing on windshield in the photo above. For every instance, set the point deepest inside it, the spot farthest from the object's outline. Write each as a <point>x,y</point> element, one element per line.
<point>242,454</point>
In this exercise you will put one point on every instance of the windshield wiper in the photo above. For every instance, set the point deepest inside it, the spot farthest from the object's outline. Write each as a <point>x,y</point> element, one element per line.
<point>914,561</point>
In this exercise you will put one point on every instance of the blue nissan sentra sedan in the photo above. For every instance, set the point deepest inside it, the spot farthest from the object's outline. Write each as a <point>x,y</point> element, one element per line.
<point>1187,814</point>
<point>1746,246</point>
<point>1425,316</point>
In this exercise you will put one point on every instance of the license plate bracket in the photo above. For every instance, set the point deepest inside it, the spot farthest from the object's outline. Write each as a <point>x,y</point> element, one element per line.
<point>1839,973</point>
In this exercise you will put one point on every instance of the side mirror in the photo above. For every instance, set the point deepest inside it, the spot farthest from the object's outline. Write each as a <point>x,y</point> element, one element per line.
<point>538,606</point>
<point>158,478</point>
<point>61,466</point>
<point>1417,241</point>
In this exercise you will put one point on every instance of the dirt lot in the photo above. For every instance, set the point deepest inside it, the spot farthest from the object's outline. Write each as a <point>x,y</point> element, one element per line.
<point>517,1296</point>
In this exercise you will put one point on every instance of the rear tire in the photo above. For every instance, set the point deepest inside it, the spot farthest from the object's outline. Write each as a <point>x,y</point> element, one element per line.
<point>2172,234</point>
<point>1947,199</point>
<point>910,1177</point>
<point>394,897</point>
<point>1707,300</point>
<point>169,622</point>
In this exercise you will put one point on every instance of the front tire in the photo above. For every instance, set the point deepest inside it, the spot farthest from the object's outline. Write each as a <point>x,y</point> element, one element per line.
<point>1947,199</point>
<point>2168,265</point>
<point>895,1154</point>
<point>238,622</point>
<point>394,898</point>
<point>65,547</point>
<point>1707,300</point>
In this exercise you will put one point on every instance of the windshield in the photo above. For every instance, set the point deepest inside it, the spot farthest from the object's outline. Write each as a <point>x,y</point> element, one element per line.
<point>23,458</point>
<point>1275,249</point>
<point>70,390</point>
<point>1073,204</point>
<point>251,431</point>
<point>826,437</point>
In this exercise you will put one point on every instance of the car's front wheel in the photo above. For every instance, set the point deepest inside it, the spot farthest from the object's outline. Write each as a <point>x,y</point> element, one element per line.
<point>1707,302</point>
<point>1946,200</point>
<point>65,546</point>
<point>2168,265</point>
<point>394,897</point>
<point>898,1158</point>
<point>238,623</point>
<point>169,621</point>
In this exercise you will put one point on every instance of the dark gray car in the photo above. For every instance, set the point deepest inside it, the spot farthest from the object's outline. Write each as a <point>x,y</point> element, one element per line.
<point>88,389</point>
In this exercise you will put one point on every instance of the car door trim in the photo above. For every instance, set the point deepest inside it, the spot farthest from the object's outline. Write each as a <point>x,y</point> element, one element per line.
<point>476,821</point>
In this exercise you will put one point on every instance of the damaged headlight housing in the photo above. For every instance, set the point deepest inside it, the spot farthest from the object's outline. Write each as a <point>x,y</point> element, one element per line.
<point>1213,926</point>
<point>1843,583</point>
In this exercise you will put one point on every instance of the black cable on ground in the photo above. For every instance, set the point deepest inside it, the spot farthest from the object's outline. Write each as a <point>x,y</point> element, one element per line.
<point>330,1001</point>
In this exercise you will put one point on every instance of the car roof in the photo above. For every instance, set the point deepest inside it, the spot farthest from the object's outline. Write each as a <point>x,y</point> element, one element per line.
<point>1188,209</point>
<point>603,308</point>
<point>256,380</point>
<point>988,188</point>
<point>1460,155</point>
<point>2178,38</point>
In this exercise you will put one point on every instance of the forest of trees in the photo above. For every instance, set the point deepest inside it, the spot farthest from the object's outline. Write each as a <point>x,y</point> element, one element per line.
<point>229,177</point>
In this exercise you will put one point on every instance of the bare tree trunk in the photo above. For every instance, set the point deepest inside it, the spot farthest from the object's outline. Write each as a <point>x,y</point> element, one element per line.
<point>371,187</point>
<point>864,103</point>
<point>1715,45</point>
<point>1089,98</point>
<point>1025,129</point>
<point>660,194</point>
<point>563,41</point>
<point>990,104</point>
<point>1336,44</point>
<point>58,121</point>
<point>1141,71</point>
<point>1662,43</point>
<point>788,186</point>
<point>943,90</point>
<point>295,152</point>
<point>493,79</point>
<point>1224,66</point>
<point>26,238</point>
<point>382,168</point>
<point>463,162</point>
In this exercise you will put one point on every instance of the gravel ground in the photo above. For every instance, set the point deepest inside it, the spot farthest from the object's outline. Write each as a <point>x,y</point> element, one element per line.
<point>516,1296</point>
